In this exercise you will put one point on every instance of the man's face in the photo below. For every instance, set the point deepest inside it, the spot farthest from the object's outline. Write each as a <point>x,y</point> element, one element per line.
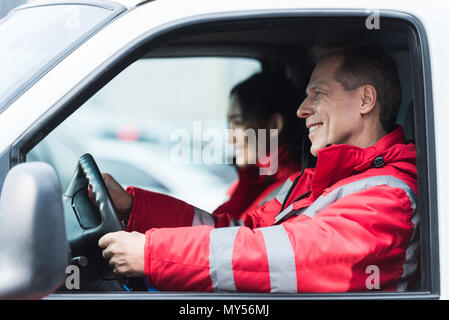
<point>332,114</point>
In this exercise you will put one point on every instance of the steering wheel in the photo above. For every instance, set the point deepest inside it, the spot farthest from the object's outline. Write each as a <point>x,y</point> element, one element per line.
<point>87,222</point>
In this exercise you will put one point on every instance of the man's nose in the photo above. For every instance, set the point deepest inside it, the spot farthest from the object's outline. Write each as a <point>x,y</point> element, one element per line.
<point>305,110</point>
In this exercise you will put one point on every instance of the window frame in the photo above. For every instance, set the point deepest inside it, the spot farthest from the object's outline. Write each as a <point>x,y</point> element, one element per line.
<point>424,132</point>
<point>115,10</point>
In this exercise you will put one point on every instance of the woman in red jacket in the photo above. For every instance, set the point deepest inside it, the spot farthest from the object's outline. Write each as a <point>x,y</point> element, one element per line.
<point>263,101</point>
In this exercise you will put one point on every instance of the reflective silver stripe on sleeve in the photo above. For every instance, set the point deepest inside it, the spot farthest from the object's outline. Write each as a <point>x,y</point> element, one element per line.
<point>281,259</point>
<point>220,258</point>
<point>411,256</point>
<point>201,217</point>
<point>324,201</point>
<point>284,190</point>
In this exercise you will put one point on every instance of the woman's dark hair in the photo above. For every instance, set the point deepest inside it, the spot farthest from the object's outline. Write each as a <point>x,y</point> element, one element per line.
<point>265,94</point>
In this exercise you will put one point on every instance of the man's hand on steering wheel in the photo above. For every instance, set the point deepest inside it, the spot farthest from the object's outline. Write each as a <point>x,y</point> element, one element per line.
<point>125,252</point>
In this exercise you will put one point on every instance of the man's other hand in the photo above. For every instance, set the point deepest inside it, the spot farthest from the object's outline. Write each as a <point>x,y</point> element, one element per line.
<point>125,252</point>
<point>122,200</point>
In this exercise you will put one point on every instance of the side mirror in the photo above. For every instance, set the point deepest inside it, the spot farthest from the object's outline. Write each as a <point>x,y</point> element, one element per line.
<point>34,251</point>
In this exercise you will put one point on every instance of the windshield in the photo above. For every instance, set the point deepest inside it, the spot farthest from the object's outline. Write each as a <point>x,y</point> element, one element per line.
<point>34,39</point>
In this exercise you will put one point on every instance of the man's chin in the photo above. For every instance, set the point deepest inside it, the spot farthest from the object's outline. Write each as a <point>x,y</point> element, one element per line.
<point>314,149</point>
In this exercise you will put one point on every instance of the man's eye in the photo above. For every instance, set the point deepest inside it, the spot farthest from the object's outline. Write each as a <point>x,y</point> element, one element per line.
<point>317,95</point>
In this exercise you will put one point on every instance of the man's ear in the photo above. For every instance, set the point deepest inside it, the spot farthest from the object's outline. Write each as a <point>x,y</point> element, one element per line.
<point>368,95</point>
<point>276,122</point>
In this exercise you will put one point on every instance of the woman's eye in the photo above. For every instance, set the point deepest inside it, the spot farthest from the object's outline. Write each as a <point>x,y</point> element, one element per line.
<point>237,123</point>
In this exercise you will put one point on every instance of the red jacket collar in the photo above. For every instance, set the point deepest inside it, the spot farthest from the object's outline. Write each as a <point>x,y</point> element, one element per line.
<point>337,162</point>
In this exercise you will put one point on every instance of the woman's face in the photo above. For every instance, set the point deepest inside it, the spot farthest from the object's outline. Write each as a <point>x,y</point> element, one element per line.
<point>243,135</point>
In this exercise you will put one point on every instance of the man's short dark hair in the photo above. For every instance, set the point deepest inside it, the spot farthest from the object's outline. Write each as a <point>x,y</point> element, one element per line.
<point>362,65</point>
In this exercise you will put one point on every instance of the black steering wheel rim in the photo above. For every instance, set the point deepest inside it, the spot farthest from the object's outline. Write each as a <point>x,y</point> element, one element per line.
<point>87,174</point>
<point>87,222</point>
<point>109,219</point>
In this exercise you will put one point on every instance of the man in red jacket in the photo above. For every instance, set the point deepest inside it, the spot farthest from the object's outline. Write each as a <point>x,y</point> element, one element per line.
<point>349,224</point>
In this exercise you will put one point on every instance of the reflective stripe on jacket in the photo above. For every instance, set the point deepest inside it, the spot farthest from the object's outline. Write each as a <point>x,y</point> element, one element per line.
<point>353,214</point>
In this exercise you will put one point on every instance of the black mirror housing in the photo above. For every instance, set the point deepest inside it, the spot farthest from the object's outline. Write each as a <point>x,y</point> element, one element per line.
<point>34,251</point>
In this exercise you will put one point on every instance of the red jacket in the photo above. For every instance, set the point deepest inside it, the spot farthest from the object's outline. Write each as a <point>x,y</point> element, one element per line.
<point>345,225</point>
<point>253,189</point>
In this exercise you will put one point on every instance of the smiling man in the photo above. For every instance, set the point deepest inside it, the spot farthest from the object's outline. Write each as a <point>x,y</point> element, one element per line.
<point>348,224</point>
<point>339,109</point>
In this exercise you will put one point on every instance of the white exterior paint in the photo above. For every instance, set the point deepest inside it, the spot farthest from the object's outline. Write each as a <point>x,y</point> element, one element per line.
<point>156,15</point>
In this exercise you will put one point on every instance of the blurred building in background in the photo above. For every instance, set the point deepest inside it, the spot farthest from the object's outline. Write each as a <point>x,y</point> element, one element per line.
<point>8,5</point>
